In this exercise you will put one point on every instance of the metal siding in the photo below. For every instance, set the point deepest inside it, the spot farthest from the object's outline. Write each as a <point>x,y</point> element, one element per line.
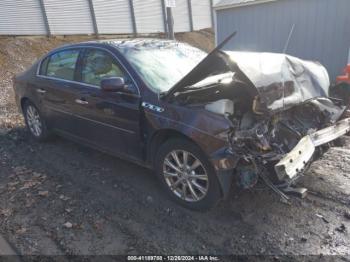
<point>68,17</point>
<point>21,18</point>
<point>113,16</point>
<point>149,16</point>
<point>201,14</point>
<point>181,16</point>
<point>321,29</point>
<point>65,17</point>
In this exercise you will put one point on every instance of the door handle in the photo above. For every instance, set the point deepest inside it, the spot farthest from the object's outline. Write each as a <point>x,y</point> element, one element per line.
<point>41,91</point>
<point>81,102</point>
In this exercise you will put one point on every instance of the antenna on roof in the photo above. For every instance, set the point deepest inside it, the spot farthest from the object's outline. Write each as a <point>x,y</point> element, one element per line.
<point>223,43</point>
<point>288,39</point>
<point>284,51</point>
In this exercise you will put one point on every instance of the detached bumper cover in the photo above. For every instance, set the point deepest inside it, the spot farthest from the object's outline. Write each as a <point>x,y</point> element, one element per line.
<point>295,161</point>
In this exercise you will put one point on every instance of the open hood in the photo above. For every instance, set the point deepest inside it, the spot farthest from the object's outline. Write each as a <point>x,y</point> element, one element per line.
<point>280,80</point>
<point>216,62</point>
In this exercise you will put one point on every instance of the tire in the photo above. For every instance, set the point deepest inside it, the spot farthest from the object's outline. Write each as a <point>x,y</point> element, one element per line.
<point>202,192</point>
<point>35,122</point>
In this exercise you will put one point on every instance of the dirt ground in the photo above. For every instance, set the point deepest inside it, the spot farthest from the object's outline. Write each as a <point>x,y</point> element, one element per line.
<point>63,198</point>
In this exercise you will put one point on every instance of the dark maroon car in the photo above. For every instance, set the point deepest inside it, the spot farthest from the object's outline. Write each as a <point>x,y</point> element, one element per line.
<point>200,121</point>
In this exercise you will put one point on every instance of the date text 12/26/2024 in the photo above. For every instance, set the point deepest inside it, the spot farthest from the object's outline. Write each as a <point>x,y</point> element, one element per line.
<point>173,258</point>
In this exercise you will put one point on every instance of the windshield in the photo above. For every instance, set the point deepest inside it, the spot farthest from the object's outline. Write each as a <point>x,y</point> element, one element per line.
<point>162,66</point>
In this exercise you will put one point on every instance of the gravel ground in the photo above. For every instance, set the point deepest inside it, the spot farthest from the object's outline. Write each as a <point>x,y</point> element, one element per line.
<point>63,198</point>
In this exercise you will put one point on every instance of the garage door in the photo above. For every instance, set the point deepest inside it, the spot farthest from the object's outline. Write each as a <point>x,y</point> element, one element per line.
<point>181,16</point>
<point>149,16</point>
<point>201,14</point>
<point>113,17</point>
<point>67,17</point>
<point>19,17</point>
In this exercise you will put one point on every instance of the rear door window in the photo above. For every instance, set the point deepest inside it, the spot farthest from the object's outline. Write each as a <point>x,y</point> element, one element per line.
<point>62,65</point>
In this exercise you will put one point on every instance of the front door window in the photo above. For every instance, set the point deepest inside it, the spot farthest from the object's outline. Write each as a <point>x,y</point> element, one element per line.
<point>98,65</point>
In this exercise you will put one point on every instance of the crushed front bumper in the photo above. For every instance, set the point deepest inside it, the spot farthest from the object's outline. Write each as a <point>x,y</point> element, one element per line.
<point>296,161</point>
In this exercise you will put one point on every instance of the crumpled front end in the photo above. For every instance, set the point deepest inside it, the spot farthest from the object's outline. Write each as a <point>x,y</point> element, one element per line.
<point>297,160</point>
<point>283,145</point>
<point>278,106</point>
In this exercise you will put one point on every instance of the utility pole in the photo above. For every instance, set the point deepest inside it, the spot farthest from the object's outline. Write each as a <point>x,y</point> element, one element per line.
<point>169,18</point>
<point>170,22</point>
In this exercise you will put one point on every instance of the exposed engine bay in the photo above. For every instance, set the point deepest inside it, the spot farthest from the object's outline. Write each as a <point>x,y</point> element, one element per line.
<point>261,138</point>
<point>276,115</point>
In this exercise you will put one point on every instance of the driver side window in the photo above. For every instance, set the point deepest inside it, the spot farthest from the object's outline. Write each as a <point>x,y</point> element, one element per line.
<point>97,65</point>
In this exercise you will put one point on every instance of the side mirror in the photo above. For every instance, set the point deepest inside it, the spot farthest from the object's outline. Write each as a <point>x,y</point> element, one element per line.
<point>114,84</point>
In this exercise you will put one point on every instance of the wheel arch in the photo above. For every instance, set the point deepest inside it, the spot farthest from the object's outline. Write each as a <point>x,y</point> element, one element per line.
<point>160,137</point>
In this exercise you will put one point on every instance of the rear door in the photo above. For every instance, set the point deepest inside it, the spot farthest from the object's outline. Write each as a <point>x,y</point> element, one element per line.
<point>111,120</point>
<point>56,87</point>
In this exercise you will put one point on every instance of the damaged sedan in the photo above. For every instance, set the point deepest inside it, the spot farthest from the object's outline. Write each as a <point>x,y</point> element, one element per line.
<point>201,121</point>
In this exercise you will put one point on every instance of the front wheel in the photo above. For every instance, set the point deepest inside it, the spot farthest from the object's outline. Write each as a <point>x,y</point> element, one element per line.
<point>187,175</point>
<point>35,122</point>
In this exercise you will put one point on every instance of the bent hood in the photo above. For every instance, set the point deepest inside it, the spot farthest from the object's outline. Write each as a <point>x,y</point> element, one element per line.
<point>280,80</point>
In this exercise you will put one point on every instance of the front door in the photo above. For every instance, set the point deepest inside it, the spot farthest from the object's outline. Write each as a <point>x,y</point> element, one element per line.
<point>111,119</point>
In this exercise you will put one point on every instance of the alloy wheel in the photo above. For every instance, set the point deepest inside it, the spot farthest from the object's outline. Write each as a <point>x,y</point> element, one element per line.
<point>34,121</point>
<point>185,175</point>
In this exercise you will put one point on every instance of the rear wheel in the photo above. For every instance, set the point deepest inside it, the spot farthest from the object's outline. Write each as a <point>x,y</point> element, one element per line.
<point>35,122</point>
<point>187,175</point>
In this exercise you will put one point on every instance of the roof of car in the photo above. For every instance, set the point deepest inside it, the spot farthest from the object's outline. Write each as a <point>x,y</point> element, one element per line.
<point>140,42</point>
<point>135,43</point>
<point>132,43</point>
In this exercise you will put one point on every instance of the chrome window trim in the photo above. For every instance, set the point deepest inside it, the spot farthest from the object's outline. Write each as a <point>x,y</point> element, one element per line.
<point>68,81</point>
<point>77,82</point>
